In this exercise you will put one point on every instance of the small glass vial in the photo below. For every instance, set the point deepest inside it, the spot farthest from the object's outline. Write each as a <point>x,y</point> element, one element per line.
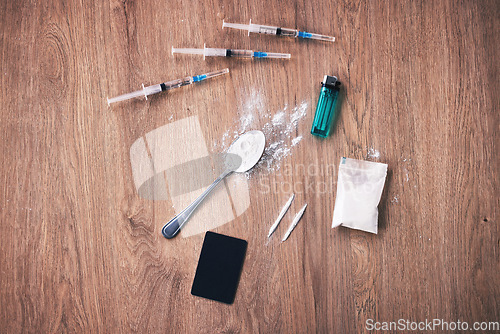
<point>325,110</point>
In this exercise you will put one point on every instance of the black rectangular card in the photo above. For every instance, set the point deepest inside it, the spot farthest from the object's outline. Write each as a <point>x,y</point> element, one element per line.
<point>219,267</point>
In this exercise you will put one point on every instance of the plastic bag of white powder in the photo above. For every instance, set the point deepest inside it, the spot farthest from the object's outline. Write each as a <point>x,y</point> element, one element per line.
<point>359,188</point>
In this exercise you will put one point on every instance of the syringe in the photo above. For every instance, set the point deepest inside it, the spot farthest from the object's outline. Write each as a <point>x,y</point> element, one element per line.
<point>210,52</point>
<point>270,30</point>
<point>149,90</point>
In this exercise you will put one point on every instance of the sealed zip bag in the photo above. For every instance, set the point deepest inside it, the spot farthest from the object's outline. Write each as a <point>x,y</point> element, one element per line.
<point>359,188</point>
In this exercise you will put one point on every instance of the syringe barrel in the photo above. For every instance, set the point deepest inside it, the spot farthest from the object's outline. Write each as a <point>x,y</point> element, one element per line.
<point>255,28</point>
<point>287,32</point>
<point>211,52</point>
<point>262,29</point>
<point>176,83</point>
<point>205,52</point>
<point>239,53</point>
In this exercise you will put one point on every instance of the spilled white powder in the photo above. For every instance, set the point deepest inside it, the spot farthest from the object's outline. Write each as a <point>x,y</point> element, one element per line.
<point>296,140</point>
<point>274,145</point>
<point>281,133</point>
<point>280,130</point>
<point>281,152</point>
<point>254,103</point>
<point>245,122</point>
<point>407,175</point>
<point>373,154</point>
<point>278,118</point>
<point>224,142</point>
<point>298,113</point>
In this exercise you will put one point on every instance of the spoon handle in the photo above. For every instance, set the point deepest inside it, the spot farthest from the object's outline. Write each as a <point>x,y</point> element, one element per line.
<point>173,227</point>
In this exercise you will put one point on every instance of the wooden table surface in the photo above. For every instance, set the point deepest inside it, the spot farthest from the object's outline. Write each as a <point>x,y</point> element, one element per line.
<point>81,251</point>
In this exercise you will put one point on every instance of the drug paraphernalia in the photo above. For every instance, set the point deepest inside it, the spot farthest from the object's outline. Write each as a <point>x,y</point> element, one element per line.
<point>211,52</point>
<point>149,90</point>
<point>241,156</point>
<point>219,267</point>
<point>294,223</point>
<point>325,111</point>
<point>270,30</point>
<point>281,215</point>
<point>359,188</point>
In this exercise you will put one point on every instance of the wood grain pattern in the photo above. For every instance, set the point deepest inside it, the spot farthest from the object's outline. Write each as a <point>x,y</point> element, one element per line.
<point>81,252</point>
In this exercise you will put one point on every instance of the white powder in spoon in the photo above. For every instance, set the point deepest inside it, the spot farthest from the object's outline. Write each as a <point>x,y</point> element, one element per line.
<point>249,148</point>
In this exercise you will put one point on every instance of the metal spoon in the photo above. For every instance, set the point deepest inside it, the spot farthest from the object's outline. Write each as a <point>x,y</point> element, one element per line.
<point>241,156</point>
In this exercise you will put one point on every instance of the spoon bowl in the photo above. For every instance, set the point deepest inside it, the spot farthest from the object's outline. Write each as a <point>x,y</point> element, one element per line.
<point>249,147</point>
